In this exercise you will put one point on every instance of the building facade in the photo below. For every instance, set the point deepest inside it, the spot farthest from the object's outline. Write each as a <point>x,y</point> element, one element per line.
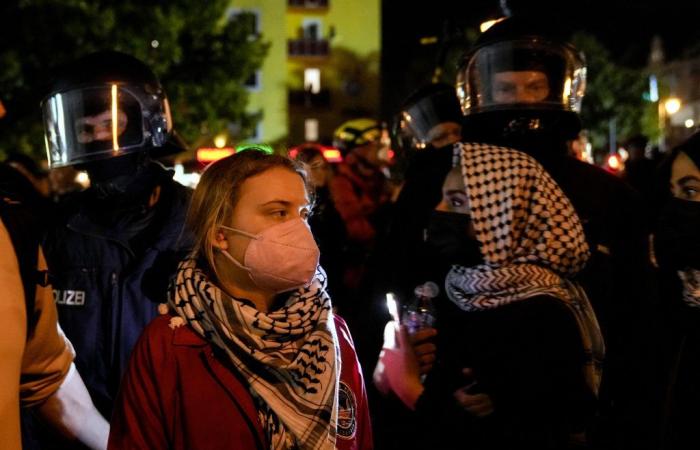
<point>322,67</point>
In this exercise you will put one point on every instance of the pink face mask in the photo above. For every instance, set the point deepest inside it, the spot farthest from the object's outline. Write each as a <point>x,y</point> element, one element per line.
<point>281,257</point>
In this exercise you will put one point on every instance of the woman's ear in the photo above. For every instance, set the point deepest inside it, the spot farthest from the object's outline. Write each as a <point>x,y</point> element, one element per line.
<point>218,239</point>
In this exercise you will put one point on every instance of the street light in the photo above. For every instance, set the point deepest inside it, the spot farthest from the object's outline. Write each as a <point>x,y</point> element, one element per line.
<point>220,141</point>
<point>672,105</point>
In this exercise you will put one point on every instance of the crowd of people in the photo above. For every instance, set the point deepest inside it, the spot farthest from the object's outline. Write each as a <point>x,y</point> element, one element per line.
<point>250,312</point>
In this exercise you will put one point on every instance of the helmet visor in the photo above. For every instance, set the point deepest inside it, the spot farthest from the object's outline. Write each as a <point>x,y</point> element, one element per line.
<point>529,73</point>
<point>94,123</point>
<point>424,115</point>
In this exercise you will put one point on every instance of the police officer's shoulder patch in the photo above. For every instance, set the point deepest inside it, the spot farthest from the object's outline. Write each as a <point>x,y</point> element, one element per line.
<point>347,412</point>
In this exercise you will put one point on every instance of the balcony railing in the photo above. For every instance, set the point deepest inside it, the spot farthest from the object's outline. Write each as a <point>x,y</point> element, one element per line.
<point>306,99</point>
<point>307,4</point>
<point>307,47</point>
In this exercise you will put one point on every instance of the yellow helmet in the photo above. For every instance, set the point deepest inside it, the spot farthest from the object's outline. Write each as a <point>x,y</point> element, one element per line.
<point>355,133</point>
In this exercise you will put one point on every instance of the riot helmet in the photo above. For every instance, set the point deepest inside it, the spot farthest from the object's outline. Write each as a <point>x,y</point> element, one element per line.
<point>431,115</point>
<point>105,105</point>
<point>522,78</point>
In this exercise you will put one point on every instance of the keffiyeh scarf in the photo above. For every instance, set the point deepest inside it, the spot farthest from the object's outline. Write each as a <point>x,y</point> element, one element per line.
<point>290,356</point>
<point>531,240</point>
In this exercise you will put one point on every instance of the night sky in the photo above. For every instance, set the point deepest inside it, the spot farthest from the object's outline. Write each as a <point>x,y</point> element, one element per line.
<point>625,27</point>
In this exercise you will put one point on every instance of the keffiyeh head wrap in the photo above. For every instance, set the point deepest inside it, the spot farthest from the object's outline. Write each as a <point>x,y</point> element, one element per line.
<point>532,241</point>
<point>289,357</point>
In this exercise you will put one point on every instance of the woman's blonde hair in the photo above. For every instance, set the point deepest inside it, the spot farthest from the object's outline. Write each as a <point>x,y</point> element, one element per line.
<point>218,191</point>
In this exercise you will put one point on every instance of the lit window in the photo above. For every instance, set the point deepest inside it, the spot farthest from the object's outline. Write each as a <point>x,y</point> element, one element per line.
<point>311,130</point>
<point>312,80</point>
<point>312,29</point>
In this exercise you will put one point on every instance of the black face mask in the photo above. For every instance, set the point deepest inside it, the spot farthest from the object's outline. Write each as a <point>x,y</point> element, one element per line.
<point>677,238</point>
<point>448,240</point>
<point>119,191</point>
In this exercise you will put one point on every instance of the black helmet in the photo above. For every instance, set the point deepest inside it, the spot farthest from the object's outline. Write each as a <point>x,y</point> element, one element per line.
<point>104,105</point>
<point>522,76</point>
<point>427,107</point>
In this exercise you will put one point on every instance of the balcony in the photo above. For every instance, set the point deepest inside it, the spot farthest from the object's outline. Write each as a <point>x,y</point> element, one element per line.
<point>306,99</point>
<point>308,47</point>
<point>307,4</point>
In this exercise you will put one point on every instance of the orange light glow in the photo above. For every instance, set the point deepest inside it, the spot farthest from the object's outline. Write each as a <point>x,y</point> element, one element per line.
<point>332,155</point>
<point>614,162</point>
<point>209,154</point>
<point>489,23</point>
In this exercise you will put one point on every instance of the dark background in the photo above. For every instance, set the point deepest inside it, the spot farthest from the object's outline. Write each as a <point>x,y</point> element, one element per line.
<point>625,27</point>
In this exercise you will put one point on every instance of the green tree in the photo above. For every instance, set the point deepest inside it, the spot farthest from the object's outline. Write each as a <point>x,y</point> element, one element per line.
<point>613,92</point>
<point>202,58</point>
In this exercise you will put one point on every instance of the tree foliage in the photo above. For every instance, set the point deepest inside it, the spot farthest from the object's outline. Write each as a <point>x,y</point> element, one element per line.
<point>613,92</point>
<point>202,58</point>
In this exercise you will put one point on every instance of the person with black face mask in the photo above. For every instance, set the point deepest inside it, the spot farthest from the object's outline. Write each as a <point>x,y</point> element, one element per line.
<point>107,114</point>
<point>677,253</point>
<point>522,86</point>
<point>519,347</point>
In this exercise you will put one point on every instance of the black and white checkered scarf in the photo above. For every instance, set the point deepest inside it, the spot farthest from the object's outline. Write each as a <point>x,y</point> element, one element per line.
<point>290,357</point>
<point>532,242</point>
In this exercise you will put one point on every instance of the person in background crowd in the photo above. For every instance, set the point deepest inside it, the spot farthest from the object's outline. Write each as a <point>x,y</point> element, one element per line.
<point>431,116</point>
<point>359,189</point>
<point>640,171</point>
<point>106,113</point>
<point>431,119</point>
<point>677,253</point>
<point>361,195</point>
<point>325,222</point>
<point>429,123</point>
<point>252,355</point>
<point>519,350</point>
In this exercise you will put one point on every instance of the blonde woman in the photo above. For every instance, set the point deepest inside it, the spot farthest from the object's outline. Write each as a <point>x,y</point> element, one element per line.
<point>261,361</point>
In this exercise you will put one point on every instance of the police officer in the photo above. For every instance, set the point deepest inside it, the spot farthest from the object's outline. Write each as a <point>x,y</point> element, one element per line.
<point>429,122</point>
<point>431,116</point>
<point>107,114</point>
<point>521,86</point>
